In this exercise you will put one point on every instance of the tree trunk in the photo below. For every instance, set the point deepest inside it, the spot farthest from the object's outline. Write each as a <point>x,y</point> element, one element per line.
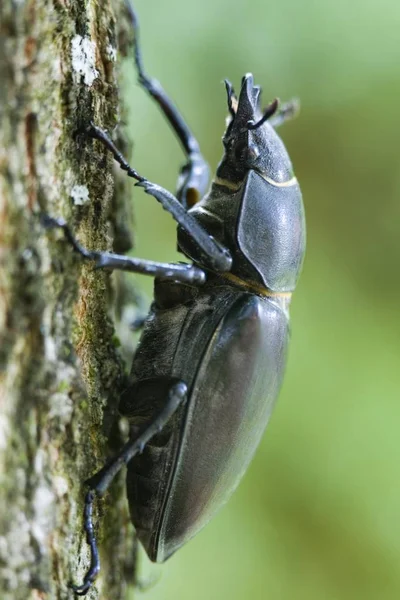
<point>60,370</point>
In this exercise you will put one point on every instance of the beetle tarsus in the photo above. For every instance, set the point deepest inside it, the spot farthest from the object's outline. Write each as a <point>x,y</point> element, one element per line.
<point>102,136</point>
<point>57,223</point>
<point>90,577</point>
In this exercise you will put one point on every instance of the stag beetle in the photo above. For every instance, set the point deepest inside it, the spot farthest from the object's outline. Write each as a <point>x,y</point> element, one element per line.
<point>211,357</point>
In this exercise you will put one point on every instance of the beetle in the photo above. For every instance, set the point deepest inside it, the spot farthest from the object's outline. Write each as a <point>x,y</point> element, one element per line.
<point>210,361</point>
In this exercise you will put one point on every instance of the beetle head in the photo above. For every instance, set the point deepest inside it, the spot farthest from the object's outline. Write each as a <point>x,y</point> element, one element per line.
<point>250,142</point>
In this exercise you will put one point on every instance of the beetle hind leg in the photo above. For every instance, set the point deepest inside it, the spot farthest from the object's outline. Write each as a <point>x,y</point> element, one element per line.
<point>101,481</point>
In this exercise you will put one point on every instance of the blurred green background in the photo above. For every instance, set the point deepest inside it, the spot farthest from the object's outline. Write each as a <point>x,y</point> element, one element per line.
<point>317,514</point>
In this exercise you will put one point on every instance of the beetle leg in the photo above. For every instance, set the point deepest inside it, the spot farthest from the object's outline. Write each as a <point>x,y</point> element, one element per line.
<point>107,260</point>
<point>101,481</point>
<point>212,253</point>
<point>194,175</point>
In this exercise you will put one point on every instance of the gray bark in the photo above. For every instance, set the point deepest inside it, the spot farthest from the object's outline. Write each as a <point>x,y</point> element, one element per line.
<point>59,366</point>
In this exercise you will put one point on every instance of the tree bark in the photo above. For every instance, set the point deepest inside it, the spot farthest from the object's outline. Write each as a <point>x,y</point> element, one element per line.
<point>59,366</point>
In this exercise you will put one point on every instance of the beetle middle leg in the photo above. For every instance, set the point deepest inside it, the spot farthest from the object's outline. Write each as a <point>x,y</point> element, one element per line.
<point>194,175</point>
<point>100,482</point>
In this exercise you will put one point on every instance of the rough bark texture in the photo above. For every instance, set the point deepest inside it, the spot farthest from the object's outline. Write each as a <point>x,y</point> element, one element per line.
<point>60,368</point>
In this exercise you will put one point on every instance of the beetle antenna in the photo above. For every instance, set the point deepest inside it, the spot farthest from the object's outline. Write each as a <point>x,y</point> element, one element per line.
<point>288,110</point>
<point>269,111</point>
<point>232,99</point>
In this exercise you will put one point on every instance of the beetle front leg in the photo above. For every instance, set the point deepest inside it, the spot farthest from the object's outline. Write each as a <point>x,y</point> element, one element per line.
<point>107,260</point>
<point>194,175</point>
<point>211,253</point>
<point>100,482</point>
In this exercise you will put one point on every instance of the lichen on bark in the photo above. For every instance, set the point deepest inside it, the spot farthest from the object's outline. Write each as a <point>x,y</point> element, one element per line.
<point>59,367</point>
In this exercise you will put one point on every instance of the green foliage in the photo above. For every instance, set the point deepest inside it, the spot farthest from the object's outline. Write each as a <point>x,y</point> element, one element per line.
<point>316,517</point>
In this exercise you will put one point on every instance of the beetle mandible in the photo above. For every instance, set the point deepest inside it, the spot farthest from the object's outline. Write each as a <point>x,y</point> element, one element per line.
<point>211,357</point>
